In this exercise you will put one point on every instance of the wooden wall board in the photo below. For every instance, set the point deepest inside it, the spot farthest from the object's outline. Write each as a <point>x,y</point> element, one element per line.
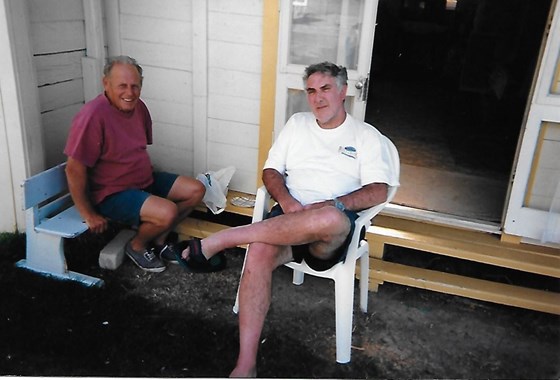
<point>55,68</point>
<point>165,9</point>
<point>55,10</point>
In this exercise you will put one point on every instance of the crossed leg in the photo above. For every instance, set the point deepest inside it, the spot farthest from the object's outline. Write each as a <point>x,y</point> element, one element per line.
<point>325,229</point>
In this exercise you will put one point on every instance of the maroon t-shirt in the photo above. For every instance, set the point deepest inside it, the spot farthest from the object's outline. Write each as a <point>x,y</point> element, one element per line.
<point>113,145</point>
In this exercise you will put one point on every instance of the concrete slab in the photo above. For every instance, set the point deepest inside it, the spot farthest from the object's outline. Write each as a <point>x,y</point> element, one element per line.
<point>112,255</point>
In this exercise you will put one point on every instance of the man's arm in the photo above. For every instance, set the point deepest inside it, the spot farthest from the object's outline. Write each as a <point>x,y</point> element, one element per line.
<point>366,197</point>
<point>276,186</point>
<point>358,200</point>
<point>76,173</point>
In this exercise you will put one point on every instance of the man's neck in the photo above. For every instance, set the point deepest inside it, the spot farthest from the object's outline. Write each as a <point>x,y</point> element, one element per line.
<point>333,123</point>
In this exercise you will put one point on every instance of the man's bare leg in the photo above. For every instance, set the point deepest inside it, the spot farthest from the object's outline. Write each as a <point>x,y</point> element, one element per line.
<point>187,193</point>
<point>326,228</point>
<point>157,216</point>
<point>254,302</point>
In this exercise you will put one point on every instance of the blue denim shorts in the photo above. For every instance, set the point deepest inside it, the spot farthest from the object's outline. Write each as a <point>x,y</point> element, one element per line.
<point>301,252</point>
<point>124,206</point>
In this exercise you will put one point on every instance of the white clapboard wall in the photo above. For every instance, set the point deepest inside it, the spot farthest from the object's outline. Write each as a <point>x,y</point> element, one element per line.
<point>159,35</point>
<point>58,43</point>
<point>234,80</point>
<point>202,80</point>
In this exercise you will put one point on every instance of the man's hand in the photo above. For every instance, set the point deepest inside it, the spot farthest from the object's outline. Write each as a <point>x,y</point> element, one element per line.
<point>97,223</point>
<point>313,206</point>
<point>276,186</point>
<point>291,205</point>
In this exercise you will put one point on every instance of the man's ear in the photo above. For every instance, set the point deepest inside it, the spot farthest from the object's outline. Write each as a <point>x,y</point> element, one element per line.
<point>343,91</point>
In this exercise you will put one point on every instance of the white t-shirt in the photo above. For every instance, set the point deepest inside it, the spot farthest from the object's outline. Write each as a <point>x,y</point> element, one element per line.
<point>321,164</point>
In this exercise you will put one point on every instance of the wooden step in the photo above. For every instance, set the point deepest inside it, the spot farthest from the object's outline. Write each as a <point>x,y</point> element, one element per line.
<point>198,228</point>
<point>469,245</point>
<point>483,290</point>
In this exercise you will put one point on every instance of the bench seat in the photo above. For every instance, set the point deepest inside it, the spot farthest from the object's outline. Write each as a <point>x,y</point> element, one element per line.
<point>68,224</point>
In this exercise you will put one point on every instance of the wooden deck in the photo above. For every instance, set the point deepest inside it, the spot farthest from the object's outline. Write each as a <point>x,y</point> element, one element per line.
<point>441,240</point>
<point>466,245</point>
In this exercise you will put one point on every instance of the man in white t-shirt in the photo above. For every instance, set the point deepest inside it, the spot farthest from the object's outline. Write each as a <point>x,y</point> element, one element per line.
<point>323,169</point>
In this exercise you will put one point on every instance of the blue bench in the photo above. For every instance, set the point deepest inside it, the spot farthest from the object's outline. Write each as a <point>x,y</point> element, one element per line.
<point>51,217</point>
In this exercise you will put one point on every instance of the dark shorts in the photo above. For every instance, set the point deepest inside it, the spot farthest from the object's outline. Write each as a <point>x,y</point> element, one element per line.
<point>301,252</point>
<point>124,206</point>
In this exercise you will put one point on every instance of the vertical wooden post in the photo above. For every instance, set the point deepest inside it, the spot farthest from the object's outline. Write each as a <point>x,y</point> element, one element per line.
<point>200,85</point>
<point>271,15</point>
<point>20,117</point>
<point>113,16</point>
<point>92,64</point>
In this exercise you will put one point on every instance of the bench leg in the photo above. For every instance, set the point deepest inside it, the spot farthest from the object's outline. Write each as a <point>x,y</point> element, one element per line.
<point>45,255</point>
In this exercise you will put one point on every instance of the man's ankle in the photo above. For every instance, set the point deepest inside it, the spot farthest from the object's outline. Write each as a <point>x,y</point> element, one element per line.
<point>238,372</point>
<point>136,246</point>
<point>248,369</point>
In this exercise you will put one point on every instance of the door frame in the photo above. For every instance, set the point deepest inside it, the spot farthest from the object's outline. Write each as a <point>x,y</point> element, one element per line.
<point>271,66</point>
<point>521,220</point>
<point>289,75</point>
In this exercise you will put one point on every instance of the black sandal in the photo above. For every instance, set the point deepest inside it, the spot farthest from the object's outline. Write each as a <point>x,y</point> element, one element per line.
<point>196,261</point>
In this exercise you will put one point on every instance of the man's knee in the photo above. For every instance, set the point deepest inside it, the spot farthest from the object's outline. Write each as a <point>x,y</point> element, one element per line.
<point>198,191</point>
<point>262,256</point>
<point>169,214</point>
<point>159,211</point>
<point>187,189</point>
<point>268,257</point>
<point>331,221</point>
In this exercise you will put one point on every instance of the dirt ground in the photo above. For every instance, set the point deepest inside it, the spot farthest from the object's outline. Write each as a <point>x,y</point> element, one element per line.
<point>180,324</point>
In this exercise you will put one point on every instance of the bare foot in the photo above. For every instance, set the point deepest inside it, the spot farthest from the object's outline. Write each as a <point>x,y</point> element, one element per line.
<point>207,247</point>
<point>185,253</point>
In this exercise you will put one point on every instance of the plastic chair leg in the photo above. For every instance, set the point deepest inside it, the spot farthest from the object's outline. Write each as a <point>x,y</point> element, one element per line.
<point>364,281</point>
<point>344,299</point>
<point>298,277</point>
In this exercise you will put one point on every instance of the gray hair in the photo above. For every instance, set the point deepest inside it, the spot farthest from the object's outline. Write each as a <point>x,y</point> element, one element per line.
<point>338,72</point>
<point>123,59</point>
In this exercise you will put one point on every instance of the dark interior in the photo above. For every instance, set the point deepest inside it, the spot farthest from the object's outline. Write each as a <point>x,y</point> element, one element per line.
<point>451,80</point>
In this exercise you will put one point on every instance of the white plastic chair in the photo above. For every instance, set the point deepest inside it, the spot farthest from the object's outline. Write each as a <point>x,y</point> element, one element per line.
<point>342,273</point>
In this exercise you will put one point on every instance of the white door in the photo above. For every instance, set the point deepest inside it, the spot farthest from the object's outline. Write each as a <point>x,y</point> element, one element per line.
<point>534,207</point>
<point>312,31</point>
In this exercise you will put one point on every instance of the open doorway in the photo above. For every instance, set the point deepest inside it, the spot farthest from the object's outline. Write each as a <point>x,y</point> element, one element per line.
<point>450,81</point>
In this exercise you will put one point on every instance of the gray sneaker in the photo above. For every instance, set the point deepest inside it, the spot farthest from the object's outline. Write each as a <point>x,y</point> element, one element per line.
<point>146,260</point>
<point>167,253</point>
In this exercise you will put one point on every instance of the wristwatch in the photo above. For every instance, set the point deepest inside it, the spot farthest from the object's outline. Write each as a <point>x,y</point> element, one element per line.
<point>339,205</point>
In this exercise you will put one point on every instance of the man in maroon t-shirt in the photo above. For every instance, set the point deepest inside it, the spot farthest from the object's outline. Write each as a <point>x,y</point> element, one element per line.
<point>110,174</point>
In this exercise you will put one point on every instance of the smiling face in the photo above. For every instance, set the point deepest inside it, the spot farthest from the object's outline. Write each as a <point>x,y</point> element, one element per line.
<point>122,86</point>
<point>326,100</point>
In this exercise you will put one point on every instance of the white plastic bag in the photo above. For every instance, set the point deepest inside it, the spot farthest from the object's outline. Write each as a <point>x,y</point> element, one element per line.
<point>216,184</point>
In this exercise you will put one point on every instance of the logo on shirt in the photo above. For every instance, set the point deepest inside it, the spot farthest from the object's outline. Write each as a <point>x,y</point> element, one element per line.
<point>348,151</point>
